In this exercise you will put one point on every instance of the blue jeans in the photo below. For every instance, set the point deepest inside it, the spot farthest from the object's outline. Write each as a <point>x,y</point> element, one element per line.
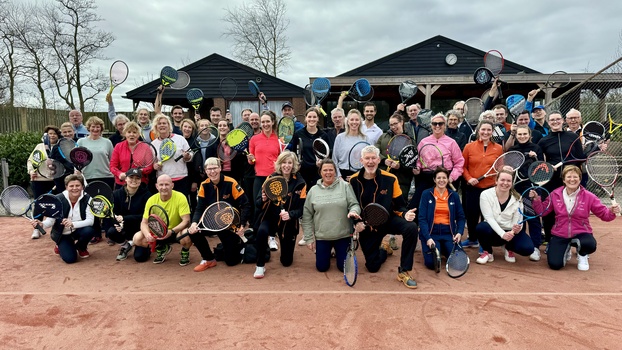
<point>78,240</point>
<point>323,253</point>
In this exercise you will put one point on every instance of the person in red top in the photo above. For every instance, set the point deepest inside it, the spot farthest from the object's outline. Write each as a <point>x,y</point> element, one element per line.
<point>120,161</point>
<point>479,156</point>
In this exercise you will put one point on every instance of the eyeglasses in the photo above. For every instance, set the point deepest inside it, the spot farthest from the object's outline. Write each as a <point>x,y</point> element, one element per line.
<point>211,169</point>
<point>437,123</point>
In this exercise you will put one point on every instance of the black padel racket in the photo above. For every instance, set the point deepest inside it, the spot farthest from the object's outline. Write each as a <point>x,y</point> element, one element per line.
<point>436,256</point>
<point>80,157</point>
<point>321,89</point>
<point>396,145</point>
<point>195,98</point>
<point>218,216</point>
<point>99,188</point>
<point>408,156</point>
<point>102,207</point>
<point>168,76</point>
<point>374,215</point>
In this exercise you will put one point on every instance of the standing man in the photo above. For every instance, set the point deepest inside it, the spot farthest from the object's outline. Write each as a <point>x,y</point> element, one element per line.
<point>287,110</point>
<point>370,128</point>
<point>215,114</point>
<point>412,128</point>
<point>75,118</point>
<point>246,113</point>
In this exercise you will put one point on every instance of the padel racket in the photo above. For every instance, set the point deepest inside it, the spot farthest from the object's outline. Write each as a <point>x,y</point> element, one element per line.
<point>80,157</point>
<point>102,207</point>
<point>167,150</point>
<point>603,169</point>
<point>374,215</point>
<point>205,138</point>
<point>157,223</point>
<point>218,216</point>
<point>36,158</point>
<point>143,155</point>
<point>99,188</point>
<point>458,262</point>
<point>482,76</point>
<point>557,80</point>
<point>275,189</point>
<point>515,104</point>
<point>407,90</point>
<point>51,169</point>
<point>320,149</point>
<point>396,144</point>
<point>228,90</point>
<point>285,130</point>
<point>615,123</point>
<point>528,211</point>
<point>253,88</point>
<point>354,155</point>
<point>183,80</point>
<point>321,89</point>
<point>168,76</point>
<point>309,96</point>
<point>18,202</point>
<point>118,74</point>
<point>511,160</point>
<point>350,265</point>
<point>195,98</point>
<point>238,138</point>
<point>436,256</point>
<point>360,91</point>
<point>408,156</point>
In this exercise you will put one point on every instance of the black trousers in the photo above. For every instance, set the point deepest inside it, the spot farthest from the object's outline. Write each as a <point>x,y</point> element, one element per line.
<point>231,243</point>
<point>370,240</point>
<point>270,227</point>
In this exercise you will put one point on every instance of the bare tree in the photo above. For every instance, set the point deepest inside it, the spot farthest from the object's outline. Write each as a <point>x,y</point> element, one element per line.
<point>258,32</point>
<point>10,59</point>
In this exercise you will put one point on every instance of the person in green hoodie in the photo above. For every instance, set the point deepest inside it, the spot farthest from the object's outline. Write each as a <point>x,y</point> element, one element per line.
<point>325,223</point>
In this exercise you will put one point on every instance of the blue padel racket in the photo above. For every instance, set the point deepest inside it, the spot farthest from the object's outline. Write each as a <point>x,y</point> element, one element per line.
<point>195,98</point>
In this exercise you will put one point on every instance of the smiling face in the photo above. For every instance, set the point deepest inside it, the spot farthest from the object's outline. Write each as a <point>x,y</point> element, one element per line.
<point>438,126</point>
<point>522,134</point>
<point>287,166</point>
<point>312,119</point>
<point>413,112</point>
<point>370,162</point>
<point>485,132</point>
<point>453,121</point>
<point>328,174</point>
<point>67,132</point>
<point>556,122</point>
<point>143,117</point>
<point>253,119</point>
<point>504,182</point>
<point>572,180</point>
<point>338,118</point>
<point>500,115</point>
<point>441,180</point>
<point>95,131</point>
<point>354,122</point>
<point>266,123</point>
<point>213,172</point>
<point>74,189</point>
<point>396,126</point>
<point>53,136</point>
<point>178,115</point>
<point>369,112</point>
<point>223,128</point>
<point>186,129</point>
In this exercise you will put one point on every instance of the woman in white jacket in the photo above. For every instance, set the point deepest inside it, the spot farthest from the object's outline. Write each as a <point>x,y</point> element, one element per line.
<point>500,227</point>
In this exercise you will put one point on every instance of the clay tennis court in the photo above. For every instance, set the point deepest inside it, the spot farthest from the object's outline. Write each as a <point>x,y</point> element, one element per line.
<point>99,303</point>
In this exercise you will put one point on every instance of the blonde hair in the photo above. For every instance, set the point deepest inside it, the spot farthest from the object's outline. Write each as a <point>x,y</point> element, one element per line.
<point>131,126</point>
<point>95,121</point>
<point>571,168</point>
<point>360,132</point>
<point>155,121</point>
<point>212,161</point>
<point>282,158</point>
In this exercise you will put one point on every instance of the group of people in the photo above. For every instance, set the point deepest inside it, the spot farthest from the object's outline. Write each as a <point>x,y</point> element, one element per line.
<point>325,197</point>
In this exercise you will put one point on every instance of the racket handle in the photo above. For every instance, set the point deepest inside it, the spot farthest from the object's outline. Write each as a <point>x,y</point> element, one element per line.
<point>451,185</point>
<point>180,157</point>
<point>556,166</point>
<point>614,202</point>
<point>40,229</point>
<point>481,178</point>
<point>244,239</point>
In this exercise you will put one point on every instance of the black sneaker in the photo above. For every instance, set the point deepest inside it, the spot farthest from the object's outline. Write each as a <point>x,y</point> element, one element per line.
<point>162,253</point>
<point>185,257</point>
<point>125,249</point>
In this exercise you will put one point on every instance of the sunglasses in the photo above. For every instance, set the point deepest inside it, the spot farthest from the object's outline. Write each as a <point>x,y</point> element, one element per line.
<point>437,123</point>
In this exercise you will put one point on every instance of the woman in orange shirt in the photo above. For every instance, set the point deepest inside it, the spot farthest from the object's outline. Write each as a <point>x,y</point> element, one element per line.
<point>479,156</point>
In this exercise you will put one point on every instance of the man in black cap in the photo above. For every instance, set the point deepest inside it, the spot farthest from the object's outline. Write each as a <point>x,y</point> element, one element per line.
<point>287,110</point>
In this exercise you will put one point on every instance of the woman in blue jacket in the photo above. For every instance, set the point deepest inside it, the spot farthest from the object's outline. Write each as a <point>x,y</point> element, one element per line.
<point>441,218</point>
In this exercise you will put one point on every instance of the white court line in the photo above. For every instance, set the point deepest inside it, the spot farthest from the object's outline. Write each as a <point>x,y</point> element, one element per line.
<point>319,292</point>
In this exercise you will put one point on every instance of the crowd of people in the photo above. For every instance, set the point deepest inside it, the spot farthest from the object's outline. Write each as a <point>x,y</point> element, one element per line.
<point>325,198</point>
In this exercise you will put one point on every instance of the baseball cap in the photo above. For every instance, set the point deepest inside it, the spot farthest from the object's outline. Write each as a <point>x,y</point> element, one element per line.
<point>287,104</point>
<point>539,107</point>
<point>134,172</point>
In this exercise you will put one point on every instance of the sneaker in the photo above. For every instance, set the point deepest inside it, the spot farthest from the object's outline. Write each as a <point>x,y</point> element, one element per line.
<point>56,251</point>
<point>509,256</point>
<point>535,256</point>
<point>260,271</point>
<point>111,242</point>
<point>583,264</point>
<point>204,265</point>
<point>272,244</point>
<point>387,247</point>
<point>485,257</point>
<point>393,243</point>
<point>185,257</point>
<point>467,243</point>
<point>162,253</point>
<point>408,281</point>
<point>568,254</point>
<point>35,234</point>
<point>125,249</point>
<point>302,242</point>
<point>95,240</point>
<point>83,253</point>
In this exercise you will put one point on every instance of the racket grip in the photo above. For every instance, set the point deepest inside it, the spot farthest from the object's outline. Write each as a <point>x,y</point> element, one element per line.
<point>614,202</point>
<point>40,229</point>
<point>481,178</point>
<point>244,239</point>
<point>556,166</point>
<point>179,157</point>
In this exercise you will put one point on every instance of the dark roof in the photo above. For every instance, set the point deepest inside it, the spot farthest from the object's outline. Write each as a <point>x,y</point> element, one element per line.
<point>206,75</point>
<point>428,58</point>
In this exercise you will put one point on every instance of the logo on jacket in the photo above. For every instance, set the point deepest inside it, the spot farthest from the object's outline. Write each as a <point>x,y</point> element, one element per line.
<point>383,192</point>
<point>226,196</point>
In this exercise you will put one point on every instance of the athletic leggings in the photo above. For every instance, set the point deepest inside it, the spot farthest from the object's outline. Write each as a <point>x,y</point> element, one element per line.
<point>288,241</point>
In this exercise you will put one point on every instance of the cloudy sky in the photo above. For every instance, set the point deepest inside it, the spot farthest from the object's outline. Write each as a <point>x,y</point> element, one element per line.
<point>329,37</point>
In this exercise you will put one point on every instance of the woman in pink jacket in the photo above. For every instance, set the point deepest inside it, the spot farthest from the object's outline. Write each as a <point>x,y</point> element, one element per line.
<point>572,204</point>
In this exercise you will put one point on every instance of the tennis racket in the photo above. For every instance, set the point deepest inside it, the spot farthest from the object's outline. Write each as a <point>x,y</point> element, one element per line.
<point>396,144</point>
<point>320,89</point>
<point>205,138</point>
<point>183,80</point>
<point>374,215</point>
<point>65,146</point>
<point>18,202</point>
<point>195,98</point>
<point>143,155</point>
<point>408,156</point>
<point>309,96</point>
<point>407,90</point>
<point>574,154</point>
<point>512,159</point>
<point>218,216</point>
<point>102,207</point>
<point>320,149</point>
<point>168,76</point>
<point>436,256</point>
<point>557,80</point>
<point>473,107</point>
<point>80,157</point>
<point>614,123</point>
<point>493,60</point>
<point>157,223</point>
<point>225,152</point>
<point>515,104</point>
<point>118,74</point>
<point>603,169</point>
<point>354,155</point>
<point>528,211</point>
<point>350,265</point>
<point>167,150</point>
<point>51,169</point>
<point>431,157</point>
<point>458,262</point>
<point>228,90</point>
<point>285,130</point>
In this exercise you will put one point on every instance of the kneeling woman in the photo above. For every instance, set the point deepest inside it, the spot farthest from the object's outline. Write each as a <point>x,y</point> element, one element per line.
<point>285,223</point>
<point>75,230</point>
<point>218,187</point>
<point>325,221</point>
<point>441,218</point>
<point>499,207</point>
<point>572,205</point>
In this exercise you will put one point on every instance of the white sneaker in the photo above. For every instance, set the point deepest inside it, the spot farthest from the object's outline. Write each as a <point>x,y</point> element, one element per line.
<point>302,241</point>
<point>509,256</point>
<point>583,264</point>
<point>485,257</point>
<point>272,244</point>
<point>535,256</point>
<point>259,272</point>
<point>36,234</point>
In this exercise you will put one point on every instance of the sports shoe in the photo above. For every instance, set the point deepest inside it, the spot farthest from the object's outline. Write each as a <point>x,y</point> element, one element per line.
<point>83,253</point>
<point>568,254</point>
<point>583,264</point>
<point>162,253</point>
<point>35,234</point>
<point>485,257</point>
<point>535,256</point>
<point>387,247</point>
<point>509,256</point>
<point>185,257</point>
<point>125,249</point>
<point>404,277</point>
<point>95,240</point>
<point>110,242</point>
<point>260,271</point>
<point>204,265</point>
<point>467,243</point>
<point>393,243</point>
<point>56,251</point>
<point>302,241</point>
<point>272,244</point>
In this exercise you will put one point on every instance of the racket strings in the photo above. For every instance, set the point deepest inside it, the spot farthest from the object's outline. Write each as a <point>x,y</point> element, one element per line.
<point>457,263</point>
<point>396,144</point>
<point>156,226</point>
<point>514,160</point>
<point>183,80</point>
<point>118,72</point>
<point>15,200</point>
<point>602,168</point>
